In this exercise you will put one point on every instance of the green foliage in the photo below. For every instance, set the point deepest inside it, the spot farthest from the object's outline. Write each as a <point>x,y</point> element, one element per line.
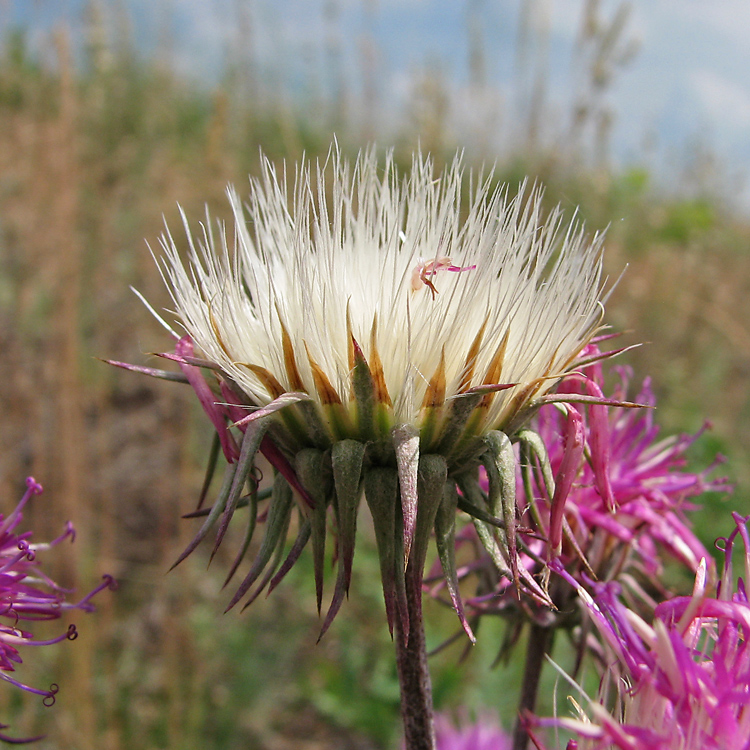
<point>687,219</point>
<point>19,71</point>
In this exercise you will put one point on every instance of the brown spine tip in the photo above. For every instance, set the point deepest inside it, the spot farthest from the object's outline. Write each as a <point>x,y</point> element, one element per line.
<point>357,353</point>
<point>217,332</point>
<point>495,369</point>
<point>528,392</point>
<point>290,362</point>
<point>326,392</point>
<point>435,394</point>
<point>471,360</point>
<point>376,367</point>
<point>523,396</point>
<point>354,351</point>
<point>274,388</point>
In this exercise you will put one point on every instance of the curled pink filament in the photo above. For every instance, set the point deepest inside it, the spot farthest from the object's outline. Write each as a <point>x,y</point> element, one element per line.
<point>425,270</point>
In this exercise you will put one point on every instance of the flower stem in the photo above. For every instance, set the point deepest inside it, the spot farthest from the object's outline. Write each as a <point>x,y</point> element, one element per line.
<point>413,673</point>
<point>538,646</point>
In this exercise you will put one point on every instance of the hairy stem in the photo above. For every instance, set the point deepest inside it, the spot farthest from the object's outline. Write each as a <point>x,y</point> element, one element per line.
<point>413,673</point>
<point>538,646</point>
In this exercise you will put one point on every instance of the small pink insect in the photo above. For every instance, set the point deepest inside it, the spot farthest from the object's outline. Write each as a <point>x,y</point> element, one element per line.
<point>426,269</point>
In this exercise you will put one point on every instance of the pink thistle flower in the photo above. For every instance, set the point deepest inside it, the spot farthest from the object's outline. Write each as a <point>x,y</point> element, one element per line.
<point>484,734</point>
<point>618,506</point>
<point>635,485</point>
<point>27,594</point>
<point>684,680</point>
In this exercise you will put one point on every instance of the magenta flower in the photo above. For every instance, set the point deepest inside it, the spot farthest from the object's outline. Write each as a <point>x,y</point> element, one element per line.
<point>484,734</point>
<point>611,502</point>
<point>27,594</point>
<point>599,496</point>
<point>634,486</point>
<point>683,682</point>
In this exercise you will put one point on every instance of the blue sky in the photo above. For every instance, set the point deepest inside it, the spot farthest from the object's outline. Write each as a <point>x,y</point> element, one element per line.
<point>688,84</point>
<point>692,75</point>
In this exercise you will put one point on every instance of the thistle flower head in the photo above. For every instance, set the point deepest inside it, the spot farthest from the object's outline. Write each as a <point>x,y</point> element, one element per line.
<point>347,263</point>
<point>27,594</point>
<point>368,332</point>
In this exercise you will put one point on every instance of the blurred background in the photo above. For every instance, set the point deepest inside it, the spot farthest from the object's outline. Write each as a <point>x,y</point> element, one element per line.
<point>113,112</point>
